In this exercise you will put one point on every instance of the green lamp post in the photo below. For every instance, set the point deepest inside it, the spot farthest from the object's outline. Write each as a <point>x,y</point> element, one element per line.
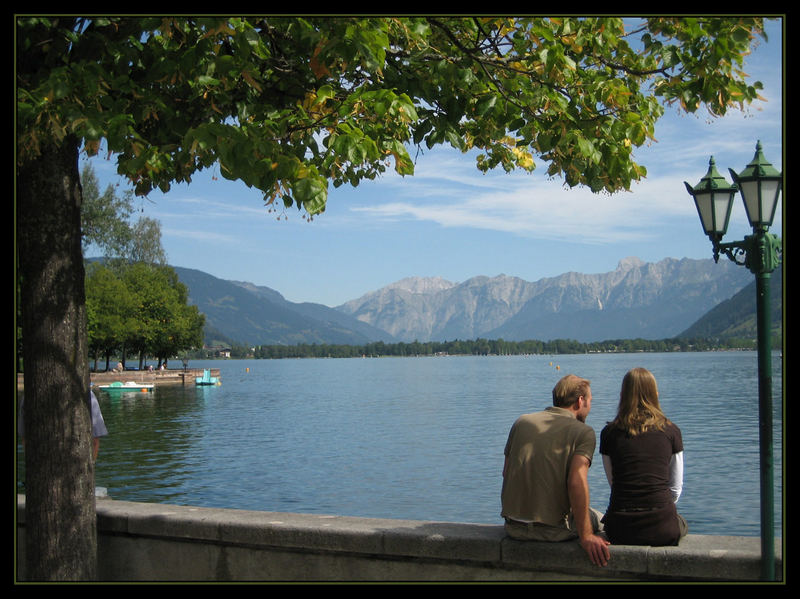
<point>760,185</point>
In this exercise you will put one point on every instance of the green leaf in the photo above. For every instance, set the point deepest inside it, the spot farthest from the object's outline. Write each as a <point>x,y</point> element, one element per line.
<point>326,92</point>
<point>312,193</point>
<point>484,105</point>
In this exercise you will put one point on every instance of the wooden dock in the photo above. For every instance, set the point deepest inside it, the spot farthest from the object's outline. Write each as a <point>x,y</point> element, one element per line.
<point>178,376</point>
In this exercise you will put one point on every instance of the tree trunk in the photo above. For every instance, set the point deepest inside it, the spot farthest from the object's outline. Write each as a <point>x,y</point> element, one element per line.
<point>61,533</point>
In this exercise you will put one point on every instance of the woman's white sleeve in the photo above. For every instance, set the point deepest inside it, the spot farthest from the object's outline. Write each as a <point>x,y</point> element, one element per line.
<point>676,475</point>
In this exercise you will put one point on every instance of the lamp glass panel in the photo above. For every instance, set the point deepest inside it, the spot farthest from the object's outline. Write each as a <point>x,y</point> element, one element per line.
<point>760,208</point>
<point>705,203</point>
<point>722,211</point>
<point>714,209</point>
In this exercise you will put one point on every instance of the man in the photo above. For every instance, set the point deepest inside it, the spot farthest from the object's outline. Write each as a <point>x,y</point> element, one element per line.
<point>545,495</point>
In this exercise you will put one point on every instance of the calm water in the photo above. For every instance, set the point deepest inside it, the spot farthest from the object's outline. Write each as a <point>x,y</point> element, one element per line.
<point>419,438</point>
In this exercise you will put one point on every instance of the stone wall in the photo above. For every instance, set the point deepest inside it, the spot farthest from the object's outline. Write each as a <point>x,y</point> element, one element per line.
<point>156,542</point>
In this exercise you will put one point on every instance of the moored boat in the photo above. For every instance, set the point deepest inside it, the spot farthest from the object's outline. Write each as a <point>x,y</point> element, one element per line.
<point>206,379</point>
<point>127,386</point>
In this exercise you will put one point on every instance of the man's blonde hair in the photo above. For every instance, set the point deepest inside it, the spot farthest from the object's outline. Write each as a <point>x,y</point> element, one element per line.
<point>568,390</point>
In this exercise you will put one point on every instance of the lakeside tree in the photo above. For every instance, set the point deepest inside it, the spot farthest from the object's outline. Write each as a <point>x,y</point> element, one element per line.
<point>109,312</point>
<point>287,105</point>
<point>104,216</point>
<point>165,323</point>
<point>145,243</point>
<point>105,224</point>
<point>139,308</point>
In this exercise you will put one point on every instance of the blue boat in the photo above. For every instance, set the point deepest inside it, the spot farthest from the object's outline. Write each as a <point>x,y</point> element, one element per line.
<point>206,379</point>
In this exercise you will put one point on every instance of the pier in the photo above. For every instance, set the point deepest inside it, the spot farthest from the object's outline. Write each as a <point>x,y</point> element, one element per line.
<point>177,376</point>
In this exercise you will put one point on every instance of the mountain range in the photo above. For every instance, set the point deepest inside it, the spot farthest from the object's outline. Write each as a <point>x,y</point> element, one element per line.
<point>736,317</point>
<point>636,300</point>
<point>245,314</point>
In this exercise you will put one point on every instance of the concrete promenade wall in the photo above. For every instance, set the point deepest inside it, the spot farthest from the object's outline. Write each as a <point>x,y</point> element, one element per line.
<point>156,542</point>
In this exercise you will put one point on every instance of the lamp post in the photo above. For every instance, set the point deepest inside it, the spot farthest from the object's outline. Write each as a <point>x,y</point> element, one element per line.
<point>760,185</point>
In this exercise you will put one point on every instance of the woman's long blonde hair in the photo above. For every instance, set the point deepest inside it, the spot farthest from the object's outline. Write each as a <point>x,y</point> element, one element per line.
<point>639,410</point>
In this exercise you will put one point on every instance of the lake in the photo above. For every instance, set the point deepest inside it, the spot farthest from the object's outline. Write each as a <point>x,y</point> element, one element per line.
<point>419,438</point>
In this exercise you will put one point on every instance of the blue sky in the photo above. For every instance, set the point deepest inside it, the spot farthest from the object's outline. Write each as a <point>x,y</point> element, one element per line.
<point>450,220</point>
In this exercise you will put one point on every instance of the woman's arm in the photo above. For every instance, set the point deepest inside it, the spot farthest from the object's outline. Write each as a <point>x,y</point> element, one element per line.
<point>607,468</point>
<point>675,475</point>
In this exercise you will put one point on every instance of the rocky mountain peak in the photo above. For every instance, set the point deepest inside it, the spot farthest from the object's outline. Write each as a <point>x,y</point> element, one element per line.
<point>422,284</point>
<point>630,262</point>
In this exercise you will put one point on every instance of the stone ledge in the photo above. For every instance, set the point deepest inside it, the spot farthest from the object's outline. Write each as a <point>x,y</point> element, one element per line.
<point>344,547</point>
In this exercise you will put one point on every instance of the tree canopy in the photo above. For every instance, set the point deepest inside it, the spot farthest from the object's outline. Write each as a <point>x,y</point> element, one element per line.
<point>289,105</point>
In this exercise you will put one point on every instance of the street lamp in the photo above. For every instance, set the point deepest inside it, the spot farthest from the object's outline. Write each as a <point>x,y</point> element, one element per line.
<point>760,185</point>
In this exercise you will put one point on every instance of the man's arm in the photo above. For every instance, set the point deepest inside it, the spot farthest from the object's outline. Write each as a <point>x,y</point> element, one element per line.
<point>578,487</point>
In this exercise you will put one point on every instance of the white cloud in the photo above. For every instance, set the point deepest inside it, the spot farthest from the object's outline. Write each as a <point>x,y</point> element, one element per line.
<point>532,207</point>
<point>210,237</point>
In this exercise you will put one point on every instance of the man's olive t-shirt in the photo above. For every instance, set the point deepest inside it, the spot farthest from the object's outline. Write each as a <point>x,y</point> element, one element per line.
<point>539,451</point>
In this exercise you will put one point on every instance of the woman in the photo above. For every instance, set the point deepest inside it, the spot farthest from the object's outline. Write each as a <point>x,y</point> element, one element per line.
<point>643,458</point>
